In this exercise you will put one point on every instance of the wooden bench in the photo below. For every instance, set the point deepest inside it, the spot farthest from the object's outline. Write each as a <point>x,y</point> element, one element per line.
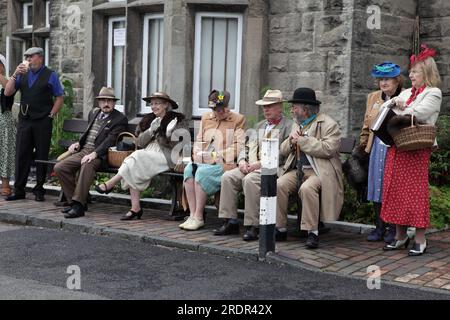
<point>78,126</point>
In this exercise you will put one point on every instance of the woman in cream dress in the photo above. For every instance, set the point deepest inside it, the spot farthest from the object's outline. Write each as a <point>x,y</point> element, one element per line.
<point>154,136</point>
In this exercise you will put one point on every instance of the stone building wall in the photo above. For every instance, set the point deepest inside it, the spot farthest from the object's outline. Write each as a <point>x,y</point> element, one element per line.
<point>323,44</point>
<point>392,41</point>
<point>3,20</point>
<point>435,32</point>
<point>67,43</point>
<point>310,45</point>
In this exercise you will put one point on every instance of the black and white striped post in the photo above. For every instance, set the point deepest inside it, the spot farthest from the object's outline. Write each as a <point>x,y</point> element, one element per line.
<point>268,202</point>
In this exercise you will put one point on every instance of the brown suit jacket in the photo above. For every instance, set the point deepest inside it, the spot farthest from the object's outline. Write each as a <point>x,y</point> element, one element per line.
<point>115,124</point>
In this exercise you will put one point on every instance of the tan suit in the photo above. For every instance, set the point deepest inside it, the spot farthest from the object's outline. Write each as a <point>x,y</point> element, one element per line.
<point>321,146</point>
<point>234,180</point>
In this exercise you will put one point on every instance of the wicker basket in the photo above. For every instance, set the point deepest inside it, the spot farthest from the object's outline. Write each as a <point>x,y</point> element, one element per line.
<point>115,158</point>
<point>415,137</point>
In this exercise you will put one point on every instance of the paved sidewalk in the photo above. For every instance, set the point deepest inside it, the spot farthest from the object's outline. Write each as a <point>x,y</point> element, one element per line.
<point>340,252</point>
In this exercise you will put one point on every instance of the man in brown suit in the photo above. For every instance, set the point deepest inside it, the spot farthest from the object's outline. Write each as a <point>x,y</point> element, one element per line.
<point>89,154</point>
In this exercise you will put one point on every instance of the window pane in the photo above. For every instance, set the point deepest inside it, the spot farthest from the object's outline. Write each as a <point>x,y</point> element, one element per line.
<point>206,61</point>
<point>118,62</point>
<point>218,57</point>
<point>27,10</point>
<point>155,55</point>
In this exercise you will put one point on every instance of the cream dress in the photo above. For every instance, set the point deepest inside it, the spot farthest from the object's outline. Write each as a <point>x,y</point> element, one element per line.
<point>138,169</point>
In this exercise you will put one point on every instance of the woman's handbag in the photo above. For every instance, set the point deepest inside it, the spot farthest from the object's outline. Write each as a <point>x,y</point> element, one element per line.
<point>116,154</point>
<point>415,137</point>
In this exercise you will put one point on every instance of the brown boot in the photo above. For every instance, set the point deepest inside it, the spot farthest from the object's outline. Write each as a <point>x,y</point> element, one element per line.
<point>6,189</point>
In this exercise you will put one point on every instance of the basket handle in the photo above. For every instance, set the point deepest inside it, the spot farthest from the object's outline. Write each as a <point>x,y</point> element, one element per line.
<point>126,133</point>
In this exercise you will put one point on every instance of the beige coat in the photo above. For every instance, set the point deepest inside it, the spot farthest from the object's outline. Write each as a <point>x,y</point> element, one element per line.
<point>321,146</point>
<point>226,136</point>
<point>280,131</point>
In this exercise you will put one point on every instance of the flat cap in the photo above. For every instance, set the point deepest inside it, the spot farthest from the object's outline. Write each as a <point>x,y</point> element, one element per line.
<point>34,50</point>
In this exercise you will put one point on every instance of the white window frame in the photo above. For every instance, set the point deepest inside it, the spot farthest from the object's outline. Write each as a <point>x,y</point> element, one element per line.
<point>144,93</point>
<point>47,14</point>
<point>26,7</point>
<point>196,110</point>
<point>7,55</point>
<point>111,21</point>
<point>47,51</point>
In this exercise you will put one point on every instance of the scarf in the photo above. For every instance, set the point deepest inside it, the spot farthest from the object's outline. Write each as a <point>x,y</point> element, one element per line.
<point>414,93</point>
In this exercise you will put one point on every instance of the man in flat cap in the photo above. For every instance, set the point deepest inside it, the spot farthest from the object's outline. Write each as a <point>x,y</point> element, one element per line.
<point>89,154</point>
<point>247,176</point>
<point>41,98</point>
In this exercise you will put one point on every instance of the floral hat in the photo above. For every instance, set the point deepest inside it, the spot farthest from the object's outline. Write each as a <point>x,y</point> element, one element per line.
<point>218,99</point>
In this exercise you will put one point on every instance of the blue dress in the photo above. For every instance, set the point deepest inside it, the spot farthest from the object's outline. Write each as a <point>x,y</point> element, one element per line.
<point>376,170</point>
<point>207,175</point>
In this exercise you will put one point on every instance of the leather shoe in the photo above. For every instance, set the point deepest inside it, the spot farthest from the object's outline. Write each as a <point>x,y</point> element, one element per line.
<point>251,234</point>
<point>75,212</point>
<point>280,236</point>
<point>226,229</point>
<point>69,206</point>
<point>15,197</point>
<point>313,241</point>
<point>39,197</point>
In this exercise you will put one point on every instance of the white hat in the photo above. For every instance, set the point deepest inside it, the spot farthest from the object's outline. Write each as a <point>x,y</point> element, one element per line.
<point>3,60</point>
<point>271,97</point>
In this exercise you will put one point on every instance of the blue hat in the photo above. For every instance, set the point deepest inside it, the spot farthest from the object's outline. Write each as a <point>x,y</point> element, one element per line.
<point>386,70</point>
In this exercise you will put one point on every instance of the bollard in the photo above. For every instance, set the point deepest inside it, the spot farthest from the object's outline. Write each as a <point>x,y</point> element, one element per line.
<point>268,202</point>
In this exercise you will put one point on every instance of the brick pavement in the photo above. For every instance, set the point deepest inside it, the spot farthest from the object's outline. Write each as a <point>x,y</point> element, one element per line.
<point>339,252</point>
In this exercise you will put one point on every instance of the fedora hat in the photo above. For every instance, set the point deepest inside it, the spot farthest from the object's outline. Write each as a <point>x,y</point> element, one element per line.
<point>106,93</point>
<point>305,95</point>
<point>218,99</point>
<point>161,95</point>
<point>271,97</point>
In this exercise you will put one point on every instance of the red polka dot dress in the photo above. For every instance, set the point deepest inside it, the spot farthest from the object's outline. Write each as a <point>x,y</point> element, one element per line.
<point>405,188</point>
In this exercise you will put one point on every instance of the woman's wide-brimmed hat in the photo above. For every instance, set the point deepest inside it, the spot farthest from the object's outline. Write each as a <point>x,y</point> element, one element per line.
<point>306,96</point>
<point>161,95</point>
<point>107,93</point>
<point>386,69</point>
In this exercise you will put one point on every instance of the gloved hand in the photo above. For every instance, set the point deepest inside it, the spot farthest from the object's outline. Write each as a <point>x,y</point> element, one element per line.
<point>171,127</point>
<point>155,124</point>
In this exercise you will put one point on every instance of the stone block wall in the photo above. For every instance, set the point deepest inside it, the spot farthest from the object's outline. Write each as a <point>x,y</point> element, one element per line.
<point>67,37</point>
<point>310,46</point>
<point>3,20</point>
<point>435,32</point>
<point>393,42</point>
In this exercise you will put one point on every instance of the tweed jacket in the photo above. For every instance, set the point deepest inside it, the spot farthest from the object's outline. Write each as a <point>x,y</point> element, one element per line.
<point>115,124</point>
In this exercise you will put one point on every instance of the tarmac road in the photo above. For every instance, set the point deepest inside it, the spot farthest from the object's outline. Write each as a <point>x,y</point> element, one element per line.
<point>34,264</point>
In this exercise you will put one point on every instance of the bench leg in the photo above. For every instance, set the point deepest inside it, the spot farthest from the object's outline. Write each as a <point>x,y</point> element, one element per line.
<point>175,213</point>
